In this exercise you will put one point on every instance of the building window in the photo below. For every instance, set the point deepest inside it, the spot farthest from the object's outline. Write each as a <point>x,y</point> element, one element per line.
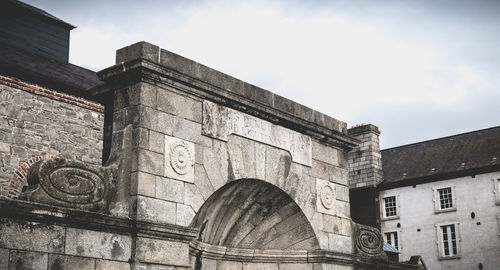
<point>390,207</point>
<point>445,199</point>
<point>448,240</point>
<point>392,239</point>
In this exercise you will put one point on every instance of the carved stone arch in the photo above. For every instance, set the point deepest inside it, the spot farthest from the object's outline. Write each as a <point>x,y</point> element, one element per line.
<point>254,214</point>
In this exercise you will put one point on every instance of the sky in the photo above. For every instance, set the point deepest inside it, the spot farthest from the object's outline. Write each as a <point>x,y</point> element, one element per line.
<point>418,70</point>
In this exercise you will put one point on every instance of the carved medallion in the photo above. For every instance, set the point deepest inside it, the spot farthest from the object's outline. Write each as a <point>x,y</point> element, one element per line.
<point>180,158</point>
<point>327,196</point>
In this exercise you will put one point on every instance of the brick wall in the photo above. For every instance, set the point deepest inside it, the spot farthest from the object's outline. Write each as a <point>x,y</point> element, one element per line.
<point>36,121</point>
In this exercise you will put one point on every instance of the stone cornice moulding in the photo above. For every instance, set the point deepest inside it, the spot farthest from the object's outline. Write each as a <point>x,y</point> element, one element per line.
<point>223,89</point>
<point>60,216</point>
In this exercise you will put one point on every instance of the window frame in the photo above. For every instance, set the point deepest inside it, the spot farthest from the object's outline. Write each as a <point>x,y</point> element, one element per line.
<point>496,190</point>
<point>398,238</point>
<point>437,201</point>
<point>440,241</point>
<point>383,211</point>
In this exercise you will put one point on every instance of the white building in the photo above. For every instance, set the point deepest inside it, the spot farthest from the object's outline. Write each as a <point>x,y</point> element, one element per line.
<point>440,199</point>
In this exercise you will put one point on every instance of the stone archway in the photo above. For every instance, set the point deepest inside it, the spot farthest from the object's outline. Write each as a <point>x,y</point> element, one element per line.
<point>253,214</point>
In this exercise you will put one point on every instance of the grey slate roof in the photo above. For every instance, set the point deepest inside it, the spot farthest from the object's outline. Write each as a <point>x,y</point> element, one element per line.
<point>49,73</point>
<point>464,154</point>
<point>39,12</point>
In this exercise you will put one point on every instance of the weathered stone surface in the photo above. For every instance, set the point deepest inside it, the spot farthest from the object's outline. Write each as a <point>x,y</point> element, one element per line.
<point>229,265</point>
<point>193,196</point>
<point>216,124</point>
<point>201,181</point>
<point>138,50</point>
<point>340,243</point>
<point>342,193</point>
<point>326,199</point>
<point>143,184</point>
<point>179,159</point>
<point>155,210</point>
<point>148,161</point>
<point>187,130</point>
<point>61,262</point>
<point>260,266</point>
<point>179,105</point>
<point>162,251</point>
<point>111,265</point>
<point>97,244</point>
<point>169,189</point>
<point>324,153</point>
<point>49,238</point>
<point>4,258</point>
<point>156,142</point>
<point>215,161</point>
<point>332,224</point>
<point>295,266</point>
<point>277,168</point>
<point>242,155</point>
<point>208,264</point>
<point>185,214</point>
<point>20,260</point>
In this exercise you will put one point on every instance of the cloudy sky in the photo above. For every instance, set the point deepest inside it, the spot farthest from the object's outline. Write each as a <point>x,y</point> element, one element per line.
<point>417,69</point>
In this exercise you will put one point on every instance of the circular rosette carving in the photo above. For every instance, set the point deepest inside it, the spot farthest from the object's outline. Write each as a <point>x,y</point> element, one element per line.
<point>327,196</point>
<point>180,158</point>
<point>71,182</point>
<point>369,240</point>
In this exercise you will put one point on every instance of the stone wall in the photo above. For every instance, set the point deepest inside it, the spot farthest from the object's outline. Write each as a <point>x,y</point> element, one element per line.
<point>35,121</point>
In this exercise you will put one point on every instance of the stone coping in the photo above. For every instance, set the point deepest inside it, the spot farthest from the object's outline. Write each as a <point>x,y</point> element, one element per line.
<point>208,251</point>
<point>48,214</point>
<point>146,62</point>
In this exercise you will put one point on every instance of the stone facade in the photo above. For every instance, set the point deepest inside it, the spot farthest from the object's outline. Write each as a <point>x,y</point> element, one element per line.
<point>205,172</point>
<point>36,121</point>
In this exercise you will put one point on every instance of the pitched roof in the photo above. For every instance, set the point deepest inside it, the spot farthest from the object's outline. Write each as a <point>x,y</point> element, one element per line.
<point>49,73</point>
<point>39,12</point>
<point>444,158</point>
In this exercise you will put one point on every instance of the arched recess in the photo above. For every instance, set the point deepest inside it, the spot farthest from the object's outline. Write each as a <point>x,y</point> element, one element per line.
<point>254,214</point>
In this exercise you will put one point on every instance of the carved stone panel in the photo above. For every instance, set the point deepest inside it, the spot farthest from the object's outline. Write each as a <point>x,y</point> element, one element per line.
<point>326,197</point>
<point>179,159</point>
<point>219,122</point>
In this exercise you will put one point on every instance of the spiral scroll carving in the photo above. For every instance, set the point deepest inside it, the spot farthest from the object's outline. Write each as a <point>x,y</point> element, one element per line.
<point>68,183</point>
<point>368,240</point>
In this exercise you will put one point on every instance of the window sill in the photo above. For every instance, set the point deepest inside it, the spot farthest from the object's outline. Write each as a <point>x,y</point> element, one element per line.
<point>437,211</point>
<point>389,218</point>
<point>450,257</point>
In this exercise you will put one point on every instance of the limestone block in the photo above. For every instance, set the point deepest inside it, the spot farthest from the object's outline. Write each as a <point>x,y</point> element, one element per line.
<point>295,266</point>
<point>179,159</point>
<point>27,260</point>
<point>4,258</point>
<point>169,189</point>
<point>343,209</point>
<point>322,239</point>
<point>215,161</point>
<point>325,266</point>
<point>201,181</point>
<point>298,185</point>
<point>260,161</point>
<point>187,130</point>
<point>317,222</point>
<point>61,262</point>
<point>179,105</point>
<point>97,244</point>
<point>162,251</point>
<point>325,153</point>
<point>5,147</point>
<point>229,265</point>
<point>140,138</point>
<point>185,214</point>
<point>193,196</point>
<point>111,265</point>
<point>339,175</point>
<point>138,50</point>
<point>156,142</point>
<point>155,210</point>
<point>208,264</point>
<point>346,227</point>
<point>342,192</point>
<point>332,224</point>
<point>260,266</point>
<point>148,161</point>
<point>277,168</point>
<point>31,236</point>
<point>326,199</point>
<point>340,243</point>
<point>242,155</point>
<point>143,184</point>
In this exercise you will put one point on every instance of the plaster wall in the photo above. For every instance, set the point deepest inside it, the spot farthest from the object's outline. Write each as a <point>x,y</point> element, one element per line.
<point>479,236</point>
